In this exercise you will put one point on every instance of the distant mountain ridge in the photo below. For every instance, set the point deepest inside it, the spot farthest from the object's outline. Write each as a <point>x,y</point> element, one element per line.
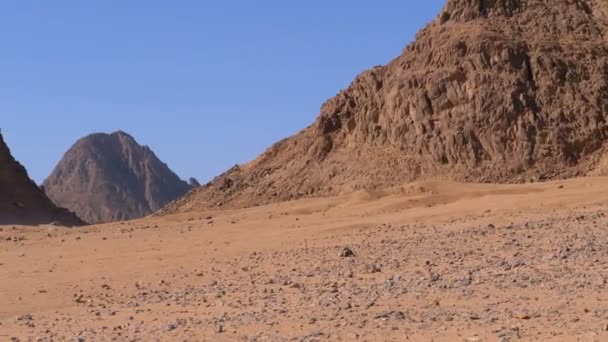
<point>22,201</point>
<point>110,177</point>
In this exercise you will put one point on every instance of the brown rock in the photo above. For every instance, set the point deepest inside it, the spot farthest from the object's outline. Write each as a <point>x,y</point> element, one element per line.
<point>22,201</point>
<point>491,91</point>
<point>347,253</point>
<point>110,177</point>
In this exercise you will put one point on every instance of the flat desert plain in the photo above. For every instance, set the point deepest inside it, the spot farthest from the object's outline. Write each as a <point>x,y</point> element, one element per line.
<point>428,261</point>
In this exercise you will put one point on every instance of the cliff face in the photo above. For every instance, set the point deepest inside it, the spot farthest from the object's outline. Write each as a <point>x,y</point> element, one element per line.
<point>22,201</point>
<point>110,177</point>
<point>491,91</point>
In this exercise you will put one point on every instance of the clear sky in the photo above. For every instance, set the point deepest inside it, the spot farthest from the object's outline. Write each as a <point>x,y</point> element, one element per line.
<point>206,84</point>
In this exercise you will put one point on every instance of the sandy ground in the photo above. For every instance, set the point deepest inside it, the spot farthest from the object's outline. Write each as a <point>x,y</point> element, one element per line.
<point>433,261</point>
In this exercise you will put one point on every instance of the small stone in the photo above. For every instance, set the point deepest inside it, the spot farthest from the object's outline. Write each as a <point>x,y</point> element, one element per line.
<point>26,317</point>
<point>373,268</point>
<point>170,327</point>
<point>347,253</point>
<point>523,316</point>
<point>392,314</point>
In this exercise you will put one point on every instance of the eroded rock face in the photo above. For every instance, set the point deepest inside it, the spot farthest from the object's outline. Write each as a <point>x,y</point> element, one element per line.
<point>110,177</point>
<point>492,90</point>
<point>468,94</point>
<point>22,201</point>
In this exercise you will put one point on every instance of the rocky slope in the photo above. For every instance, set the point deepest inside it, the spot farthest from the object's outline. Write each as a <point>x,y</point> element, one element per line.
<point>110,177</point>
<point>491,91</point>
<point>22,201</point>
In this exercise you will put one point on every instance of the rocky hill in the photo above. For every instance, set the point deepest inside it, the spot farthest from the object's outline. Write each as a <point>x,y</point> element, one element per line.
<point>22,201</point>
<point>490,91</point>
<point>110,177</point>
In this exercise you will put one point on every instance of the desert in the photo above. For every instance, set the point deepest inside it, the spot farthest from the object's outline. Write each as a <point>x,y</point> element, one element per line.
<point>458,192</point>
<point>430,261</point>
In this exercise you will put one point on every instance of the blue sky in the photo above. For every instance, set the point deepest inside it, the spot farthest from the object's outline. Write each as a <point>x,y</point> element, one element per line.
<point>206,84</point>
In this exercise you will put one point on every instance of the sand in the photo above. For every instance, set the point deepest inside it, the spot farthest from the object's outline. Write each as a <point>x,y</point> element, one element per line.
<point>433,261</point>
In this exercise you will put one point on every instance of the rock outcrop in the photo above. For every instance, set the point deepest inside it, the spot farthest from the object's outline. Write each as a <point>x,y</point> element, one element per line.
<point>22,202</point>
<point>490,91</point>
<point>110,177</point>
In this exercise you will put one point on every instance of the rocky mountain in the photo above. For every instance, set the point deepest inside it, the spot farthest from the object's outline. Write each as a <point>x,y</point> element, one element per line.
<point>110,177</point>
<point>22,201</point>
<point>193,182</point>
<point>490,91</point>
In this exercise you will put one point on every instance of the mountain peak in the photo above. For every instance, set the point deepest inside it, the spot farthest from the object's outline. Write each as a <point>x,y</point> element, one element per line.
<point>471,9</point>
<point>122,134</point>
<point>547,15</point>
<point>110,177</point>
